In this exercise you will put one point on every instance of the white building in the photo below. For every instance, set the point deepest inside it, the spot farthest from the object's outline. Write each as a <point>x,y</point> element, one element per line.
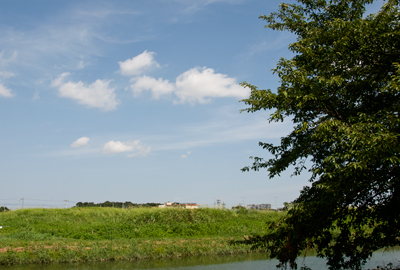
<point>184,205</point>
<point>263,206</point>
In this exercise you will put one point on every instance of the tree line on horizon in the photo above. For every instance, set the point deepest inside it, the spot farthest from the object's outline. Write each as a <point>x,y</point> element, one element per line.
<point>117,204</point>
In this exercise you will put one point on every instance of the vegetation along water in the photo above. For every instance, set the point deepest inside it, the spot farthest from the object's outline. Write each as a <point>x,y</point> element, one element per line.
<point>101,234</point>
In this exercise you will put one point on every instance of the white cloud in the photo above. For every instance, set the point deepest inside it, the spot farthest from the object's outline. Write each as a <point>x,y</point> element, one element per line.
<point>157,87</point>
<point>138,64</point>
<point>195,85</point>
<point>5,92</point>
<point>83,141</point>
<point>59,80</point>
<point>201,84</point>
<point>96,95</point>
<point>116,147</point>
<point>136,148</point>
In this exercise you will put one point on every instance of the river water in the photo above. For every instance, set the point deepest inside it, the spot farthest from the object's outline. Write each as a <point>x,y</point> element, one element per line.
<point>231,262</point>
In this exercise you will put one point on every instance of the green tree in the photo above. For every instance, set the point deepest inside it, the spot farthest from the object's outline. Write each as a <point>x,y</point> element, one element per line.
<point>4,209</point>
<point>341,91</point>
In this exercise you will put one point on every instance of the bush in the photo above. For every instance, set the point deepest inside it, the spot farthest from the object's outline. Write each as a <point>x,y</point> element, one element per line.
<point>4,209</point>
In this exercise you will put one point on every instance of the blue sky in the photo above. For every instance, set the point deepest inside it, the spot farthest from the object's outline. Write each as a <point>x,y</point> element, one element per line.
<point>137,101</point>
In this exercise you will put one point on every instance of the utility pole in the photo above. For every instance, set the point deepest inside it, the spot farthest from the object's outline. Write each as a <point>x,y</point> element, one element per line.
<point>243,200</point>
<point>22,203</point>
<point>66,202</point>
<point>276,206</point>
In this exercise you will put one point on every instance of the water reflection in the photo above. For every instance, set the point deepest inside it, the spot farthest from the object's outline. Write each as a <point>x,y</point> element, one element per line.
<point>231,262</point>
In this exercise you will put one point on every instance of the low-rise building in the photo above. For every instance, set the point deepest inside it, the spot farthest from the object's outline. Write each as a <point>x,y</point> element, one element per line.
<point>184,205</point>
<point>166,204</point>
<point>263,206</point>
<point>190,205</point>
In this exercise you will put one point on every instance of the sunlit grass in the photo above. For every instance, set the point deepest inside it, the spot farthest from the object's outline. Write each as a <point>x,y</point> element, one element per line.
<point>115,223</point>
<point>95,234</point>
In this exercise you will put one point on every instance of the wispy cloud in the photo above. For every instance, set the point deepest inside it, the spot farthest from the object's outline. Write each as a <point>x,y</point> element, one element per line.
<point>6,74</point>
<point>36,95</point>
<point>186,155</point>
<point>228,127</point>
<point>5,92</point>
<point>4,62</point>
<point>193,6</point>
<point>72,40</point>
<point>225,128</point>
<point>49,43</point>
<point>216,134</point>
<point>5,58</point>
<point>271,45</point>
<point>80,65</point>
<point>105,11</point>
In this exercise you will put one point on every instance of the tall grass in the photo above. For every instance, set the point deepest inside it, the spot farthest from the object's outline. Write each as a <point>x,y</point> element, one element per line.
<point>96,234</point>
<point>115,223</point>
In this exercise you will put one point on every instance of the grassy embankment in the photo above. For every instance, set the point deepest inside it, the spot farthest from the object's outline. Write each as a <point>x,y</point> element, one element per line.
<point>100,234</point>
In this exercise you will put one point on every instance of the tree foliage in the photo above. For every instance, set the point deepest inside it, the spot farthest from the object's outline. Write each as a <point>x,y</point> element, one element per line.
<point>117,204</point>
<point>4,209</point>
<point>342,92</point>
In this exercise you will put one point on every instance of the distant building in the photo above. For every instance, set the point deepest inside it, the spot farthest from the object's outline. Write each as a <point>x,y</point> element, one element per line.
<point>184,205</point>
<point>166,204</point>
<point>190,205</point>
<point>263,206</point>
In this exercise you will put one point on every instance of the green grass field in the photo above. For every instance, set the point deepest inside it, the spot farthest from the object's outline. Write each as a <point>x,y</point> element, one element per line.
<point>99,234</point>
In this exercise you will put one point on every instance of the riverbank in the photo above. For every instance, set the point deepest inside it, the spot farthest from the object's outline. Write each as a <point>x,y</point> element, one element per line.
<point>38,236</point>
